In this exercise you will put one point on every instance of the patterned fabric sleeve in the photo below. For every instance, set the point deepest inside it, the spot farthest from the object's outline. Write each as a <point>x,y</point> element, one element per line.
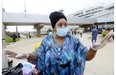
<point>40,52</point>
<point>81,55</point>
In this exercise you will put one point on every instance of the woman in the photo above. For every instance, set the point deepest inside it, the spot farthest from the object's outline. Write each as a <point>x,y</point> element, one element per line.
<point>61,53</point>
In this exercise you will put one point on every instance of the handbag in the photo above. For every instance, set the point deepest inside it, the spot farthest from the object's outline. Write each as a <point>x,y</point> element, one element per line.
<point>17,70</point>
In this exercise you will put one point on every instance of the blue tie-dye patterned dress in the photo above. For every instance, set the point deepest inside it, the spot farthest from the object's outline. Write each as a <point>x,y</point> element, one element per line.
<point>67,59</point>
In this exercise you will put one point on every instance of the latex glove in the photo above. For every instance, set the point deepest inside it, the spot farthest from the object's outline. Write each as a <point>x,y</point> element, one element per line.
<point>103,42</point>
<point>16,55</point>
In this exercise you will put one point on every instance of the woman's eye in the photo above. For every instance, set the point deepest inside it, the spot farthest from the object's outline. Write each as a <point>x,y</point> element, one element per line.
<point>66,25</point>
<point>60,25</point>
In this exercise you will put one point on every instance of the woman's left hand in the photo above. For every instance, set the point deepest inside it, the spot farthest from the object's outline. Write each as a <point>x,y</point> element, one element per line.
<point>103,42</point>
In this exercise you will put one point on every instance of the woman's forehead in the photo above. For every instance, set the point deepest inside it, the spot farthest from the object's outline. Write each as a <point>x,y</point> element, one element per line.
<point>62,20</point>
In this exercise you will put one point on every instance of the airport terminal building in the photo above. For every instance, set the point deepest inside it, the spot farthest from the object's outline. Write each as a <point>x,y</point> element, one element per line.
<point>103,14</point>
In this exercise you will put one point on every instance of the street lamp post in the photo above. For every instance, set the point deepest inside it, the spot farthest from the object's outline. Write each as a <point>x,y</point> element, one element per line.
<point>25,8</point>
<point>61,10</point>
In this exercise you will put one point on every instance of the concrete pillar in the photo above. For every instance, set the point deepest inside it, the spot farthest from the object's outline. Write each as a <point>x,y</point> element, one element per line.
<point>38,32</point>
<point>4,57</point>
<point>39,27</point>
<point>16,31</point>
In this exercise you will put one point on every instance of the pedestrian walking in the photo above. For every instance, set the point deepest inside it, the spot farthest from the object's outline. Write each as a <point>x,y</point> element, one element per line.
<point>14,37</point>
<point>81,33</point>
<point>94,34</point>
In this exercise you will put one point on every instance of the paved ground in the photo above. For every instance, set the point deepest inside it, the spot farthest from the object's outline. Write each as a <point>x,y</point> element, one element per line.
<point>102,64</point>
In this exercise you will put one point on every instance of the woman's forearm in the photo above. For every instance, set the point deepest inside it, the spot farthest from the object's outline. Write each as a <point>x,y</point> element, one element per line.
<point>32,57</point>
<point>90,54</point>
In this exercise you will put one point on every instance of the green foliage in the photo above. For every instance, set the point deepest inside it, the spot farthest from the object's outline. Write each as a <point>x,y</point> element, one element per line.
<point>104,33</point>
<point>9,39</point>
<point>100,31</point>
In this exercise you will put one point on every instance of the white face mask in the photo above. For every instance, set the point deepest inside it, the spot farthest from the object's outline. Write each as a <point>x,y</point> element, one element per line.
<point>62,31</point>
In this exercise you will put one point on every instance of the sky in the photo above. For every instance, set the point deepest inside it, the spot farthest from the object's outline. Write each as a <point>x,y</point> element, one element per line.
<point>48,6</point>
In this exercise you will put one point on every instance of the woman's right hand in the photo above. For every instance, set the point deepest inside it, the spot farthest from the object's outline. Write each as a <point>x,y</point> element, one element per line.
<point>16,55</point>
<point>103,42</point>
<point>10,53</point>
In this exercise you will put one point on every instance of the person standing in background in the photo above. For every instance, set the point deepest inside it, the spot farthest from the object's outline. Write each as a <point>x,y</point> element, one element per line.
<point>94,34</point>
<point>81,32</point>
<point>14,37</point>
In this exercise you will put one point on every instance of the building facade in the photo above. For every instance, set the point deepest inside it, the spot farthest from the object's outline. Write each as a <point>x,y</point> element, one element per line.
<point>103,14</point>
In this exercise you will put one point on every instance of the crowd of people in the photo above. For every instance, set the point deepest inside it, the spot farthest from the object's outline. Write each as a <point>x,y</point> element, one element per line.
<point>76,31</point>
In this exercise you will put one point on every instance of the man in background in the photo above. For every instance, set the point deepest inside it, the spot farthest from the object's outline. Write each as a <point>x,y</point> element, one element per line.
<point>94,34</point>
